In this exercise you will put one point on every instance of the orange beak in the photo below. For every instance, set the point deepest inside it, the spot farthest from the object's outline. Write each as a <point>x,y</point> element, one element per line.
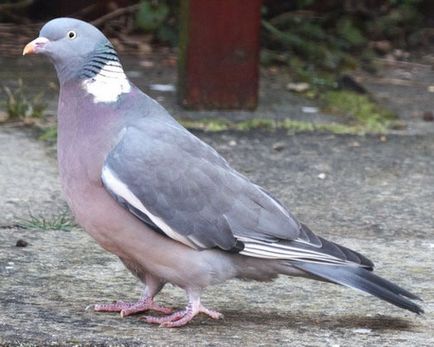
<point>33,46</point>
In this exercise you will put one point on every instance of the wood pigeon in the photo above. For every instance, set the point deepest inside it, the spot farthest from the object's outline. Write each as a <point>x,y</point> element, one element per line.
<point>166,203</point>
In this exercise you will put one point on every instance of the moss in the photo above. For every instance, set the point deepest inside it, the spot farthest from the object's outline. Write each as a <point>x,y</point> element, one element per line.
<point>292,126</point>
<point>49,134</point>
<point>361,108</point>
<point>341,129</point>
<point>256,123</point>
<point>212,125</point>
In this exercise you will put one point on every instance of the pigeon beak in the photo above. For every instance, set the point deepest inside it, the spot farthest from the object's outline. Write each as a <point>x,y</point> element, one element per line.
<point>34,46</point>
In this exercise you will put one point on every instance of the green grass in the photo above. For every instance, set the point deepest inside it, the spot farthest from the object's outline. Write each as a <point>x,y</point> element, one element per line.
<point>48,134</point>
<point>19,106</point>
<point>62,221</point>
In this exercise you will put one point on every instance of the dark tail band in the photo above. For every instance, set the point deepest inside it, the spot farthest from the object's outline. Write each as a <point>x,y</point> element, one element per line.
<point>362,279</point>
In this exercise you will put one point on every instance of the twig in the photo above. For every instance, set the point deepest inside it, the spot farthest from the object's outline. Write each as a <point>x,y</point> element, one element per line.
<point>286,16</point>
<point>400,62</point>
<point>9,10</point>
<point>128,40</point>
<point>116,13</point>
<point>15,5</point>
<point>84,11</point>
<point>15,18</point>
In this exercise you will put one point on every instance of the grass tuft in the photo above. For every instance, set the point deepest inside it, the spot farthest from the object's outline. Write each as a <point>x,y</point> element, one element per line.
<point>19,107</point>
<point>48,134</point>
<point>62,221</point>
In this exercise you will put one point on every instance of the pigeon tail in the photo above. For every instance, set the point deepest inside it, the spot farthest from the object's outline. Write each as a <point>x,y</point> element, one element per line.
<point>364,280</point>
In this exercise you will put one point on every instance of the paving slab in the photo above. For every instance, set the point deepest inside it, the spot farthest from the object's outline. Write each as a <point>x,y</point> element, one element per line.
<point>28,178</point>
<point>373,194</point>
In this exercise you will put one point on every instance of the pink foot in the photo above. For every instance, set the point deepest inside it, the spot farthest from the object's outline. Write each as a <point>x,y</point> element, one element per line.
<point>181,318</point>
<point>129,308</point>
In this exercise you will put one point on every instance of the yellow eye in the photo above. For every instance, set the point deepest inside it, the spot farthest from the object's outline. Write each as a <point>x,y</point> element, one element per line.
<point>72,35</point>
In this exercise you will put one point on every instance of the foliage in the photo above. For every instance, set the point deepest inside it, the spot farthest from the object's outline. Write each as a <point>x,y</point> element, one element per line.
<point>326,38</point>
<point>19,106</point>
<point>151,15</point>
<point>158,17</point>
<point>321,40</point>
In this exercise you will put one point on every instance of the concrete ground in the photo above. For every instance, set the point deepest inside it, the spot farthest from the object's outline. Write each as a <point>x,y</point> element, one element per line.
<point>373,194</point>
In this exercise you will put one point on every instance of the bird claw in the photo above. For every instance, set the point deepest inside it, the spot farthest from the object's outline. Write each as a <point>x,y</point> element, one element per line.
<point>181,318</point>
<point>130,308</point>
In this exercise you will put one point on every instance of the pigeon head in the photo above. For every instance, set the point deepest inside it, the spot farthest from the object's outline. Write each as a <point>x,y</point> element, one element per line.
<point>79,51</point>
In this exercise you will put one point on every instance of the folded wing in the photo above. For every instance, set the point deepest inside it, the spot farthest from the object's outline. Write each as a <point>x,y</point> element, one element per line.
<point>181,187</point>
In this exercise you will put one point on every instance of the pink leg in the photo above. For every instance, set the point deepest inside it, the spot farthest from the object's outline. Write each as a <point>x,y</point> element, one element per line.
<point>180,318</point>
<point>153,286</point>
<point>129,308</point>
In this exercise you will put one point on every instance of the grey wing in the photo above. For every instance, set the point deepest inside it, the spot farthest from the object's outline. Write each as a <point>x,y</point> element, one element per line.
<point>185,187</point>
<point>181,187</point>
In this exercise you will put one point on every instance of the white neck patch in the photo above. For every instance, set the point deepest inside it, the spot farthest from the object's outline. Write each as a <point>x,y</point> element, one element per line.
<point>108,84</point>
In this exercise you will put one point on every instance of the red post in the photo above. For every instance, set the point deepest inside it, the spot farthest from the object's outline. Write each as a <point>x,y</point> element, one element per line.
<point>219,54</point>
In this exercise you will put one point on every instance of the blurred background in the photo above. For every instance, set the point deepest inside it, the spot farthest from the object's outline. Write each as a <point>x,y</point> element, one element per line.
<point>336,55</point>
<point>325,34</point>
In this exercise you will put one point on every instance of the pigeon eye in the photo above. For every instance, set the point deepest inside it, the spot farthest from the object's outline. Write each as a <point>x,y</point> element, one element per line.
<point>72,35</point>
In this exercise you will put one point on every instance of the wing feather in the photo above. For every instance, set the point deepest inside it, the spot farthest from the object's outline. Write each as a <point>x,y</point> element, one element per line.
<point>181,187</point>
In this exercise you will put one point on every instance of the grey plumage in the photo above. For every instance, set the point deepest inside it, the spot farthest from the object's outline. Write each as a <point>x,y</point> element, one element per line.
<point>362,279</point>
<point>202,192</point>
<point>164,201</point>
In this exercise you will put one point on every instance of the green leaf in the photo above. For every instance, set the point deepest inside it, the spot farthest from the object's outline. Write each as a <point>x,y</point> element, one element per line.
<point>151,15</point>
